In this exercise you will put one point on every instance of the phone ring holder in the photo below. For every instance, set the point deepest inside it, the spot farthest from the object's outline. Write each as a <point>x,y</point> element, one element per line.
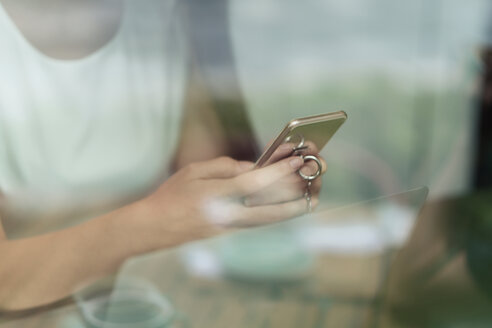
<point>297,149</point>
<point>318,171</point>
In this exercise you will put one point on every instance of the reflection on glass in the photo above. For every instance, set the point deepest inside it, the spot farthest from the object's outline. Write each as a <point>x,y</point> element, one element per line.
<point>130,303</point>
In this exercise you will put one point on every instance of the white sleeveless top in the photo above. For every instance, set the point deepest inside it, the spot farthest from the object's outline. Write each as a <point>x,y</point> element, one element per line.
<point>80,137</point>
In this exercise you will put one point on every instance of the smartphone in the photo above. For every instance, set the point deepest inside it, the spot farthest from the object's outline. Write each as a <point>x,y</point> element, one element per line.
<point>317,129</point>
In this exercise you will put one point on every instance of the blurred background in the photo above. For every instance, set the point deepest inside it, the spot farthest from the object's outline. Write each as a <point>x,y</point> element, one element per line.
<point>407,74</point>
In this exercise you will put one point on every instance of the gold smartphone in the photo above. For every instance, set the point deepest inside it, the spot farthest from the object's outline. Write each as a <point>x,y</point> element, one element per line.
<point>317,129</point>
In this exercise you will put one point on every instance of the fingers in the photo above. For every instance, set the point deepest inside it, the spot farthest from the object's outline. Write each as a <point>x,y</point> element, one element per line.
<point>282,151</point>
<point>283,191</point>
<point>310,167</point>
<point>221,167</point>
<point>323,164</point>
<point>255,180</point>
<point>288,188</point>
<point>312,149</point>
<point>267,214</point>
<point>286,149</point>
<point>229,212</point>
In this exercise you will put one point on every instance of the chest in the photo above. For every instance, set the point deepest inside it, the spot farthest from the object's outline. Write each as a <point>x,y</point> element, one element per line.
<point>107,122</point>
<point>65,29</point>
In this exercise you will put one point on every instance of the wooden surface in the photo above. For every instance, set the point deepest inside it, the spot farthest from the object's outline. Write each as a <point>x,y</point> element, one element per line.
<point>340,292</point>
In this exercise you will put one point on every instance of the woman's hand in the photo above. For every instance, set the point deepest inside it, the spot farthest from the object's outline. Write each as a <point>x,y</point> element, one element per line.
<point>205,198</point>
<point>290,187</point>
<point>199,201</point>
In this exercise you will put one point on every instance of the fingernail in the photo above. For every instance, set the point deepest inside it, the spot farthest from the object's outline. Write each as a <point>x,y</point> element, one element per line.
<point>296,162</point>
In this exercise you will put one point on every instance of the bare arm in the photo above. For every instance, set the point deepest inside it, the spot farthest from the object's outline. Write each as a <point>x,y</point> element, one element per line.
<point>45,268</point>
<point>199,201</point>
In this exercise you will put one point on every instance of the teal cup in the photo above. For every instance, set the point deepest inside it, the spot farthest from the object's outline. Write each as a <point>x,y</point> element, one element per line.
<point>128,303</point>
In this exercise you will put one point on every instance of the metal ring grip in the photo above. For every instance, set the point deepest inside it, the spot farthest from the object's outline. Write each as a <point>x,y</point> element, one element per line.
<point>300,146</point>
<point>318,171</point>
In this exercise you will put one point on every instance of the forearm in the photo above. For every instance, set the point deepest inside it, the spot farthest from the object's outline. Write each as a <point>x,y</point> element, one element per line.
<point>42,269</point>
